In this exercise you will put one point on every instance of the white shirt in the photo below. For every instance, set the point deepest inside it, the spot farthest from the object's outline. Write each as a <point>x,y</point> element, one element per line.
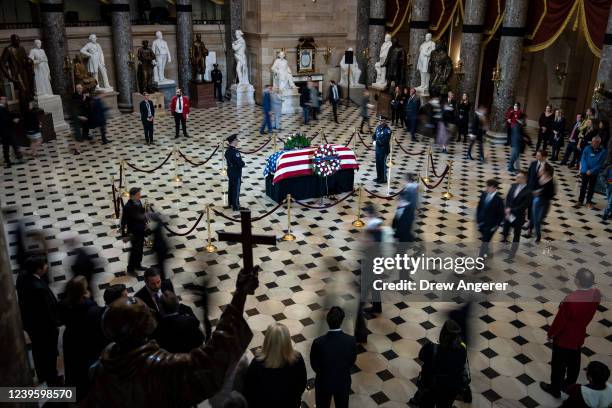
<point>335,92</point>
<point>179,104</point>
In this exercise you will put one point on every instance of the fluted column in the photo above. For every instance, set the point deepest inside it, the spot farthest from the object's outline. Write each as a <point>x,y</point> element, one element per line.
<point>419,25</point>
<point>363,27</point>
<point>184,38</point>
<point>376,35</point>
<point>604,73</point>
<point>54,41</point>
<point>471,45</point>
<point>233,21</point>
<point>122,44</point>
<point>509,61</point>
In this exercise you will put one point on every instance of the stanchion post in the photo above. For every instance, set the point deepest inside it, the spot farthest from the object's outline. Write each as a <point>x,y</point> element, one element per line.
<point>273,142</point>
<point>114,198</point>
<point>358,222</point>
<point>447,194</point>
<point>288,236</point>
<point>389,167</point>
<point>427,159</point>
<point>223,170</point>
<point>177,176</point>
<point>210,248</point>
<point>125,193</point>
<point>355,139</point>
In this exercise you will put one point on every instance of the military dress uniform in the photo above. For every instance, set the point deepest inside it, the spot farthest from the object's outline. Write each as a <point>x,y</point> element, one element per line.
<point>382,139</point>
<point>234,174</point>
<point>217,79</point>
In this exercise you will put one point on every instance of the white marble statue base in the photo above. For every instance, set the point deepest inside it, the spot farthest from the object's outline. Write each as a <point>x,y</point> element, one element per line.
<point>356,91</point>
<point>290,102</point>
<point>380,87</point>
<point>243,94</point>
<point>53,104</point>
<point>110,100</point>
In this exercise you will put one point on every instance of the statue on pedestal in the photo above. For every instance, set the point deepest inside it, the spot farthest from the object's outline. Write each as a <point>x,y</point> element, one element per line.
<point>381,70</point>
<point>162,57</point>
<point>197,58</point>
<point>283,79</point>
<point>344,71</point>
<point>146,62</point>
<point>425,51</point>
<point>441,68</point>
<point>42,74</point>
<point>239,47</point>
<point>96,65</point>
<point>395,64</point>
<point>17,68</point>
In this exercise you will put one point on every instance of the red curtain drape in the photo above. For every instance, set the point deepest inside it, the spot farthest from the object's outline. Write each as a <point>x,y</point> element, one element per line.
<point>493,18</point>
<point>442,14</point>
<point>595,20</point>
<point>397,13</point>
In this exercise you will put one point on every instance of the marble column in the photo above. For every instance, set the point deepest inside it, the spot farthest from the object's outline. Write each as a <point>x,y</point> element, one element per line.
<point>419,25</point>
<point>122,45</point>
<point>14,357</point>
<point>509,60</point>
<point>233,21</point>
<point>363,17</point>
<point>471,46</point>
<point>376,35</point>
<point>184,38</point>
<point>604,73</point>
<point>54,41</point>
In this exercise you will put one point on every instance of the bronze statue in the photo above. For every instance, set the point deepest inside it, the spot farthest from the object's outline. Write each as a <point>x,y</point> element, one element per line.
<point>396,64</point>
<point>197,58</point>
<point>17,68</point>
<point>82,76</point>
<point>441,68</point>
<point>146,61</point>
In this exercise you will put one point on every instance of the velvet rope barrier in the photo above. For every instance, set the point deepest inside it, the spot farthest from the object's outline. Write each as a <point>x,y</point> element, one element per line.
<point>201,163</point>
<point>313,136</point>
<point>116,208</point>
<point>433,166</point>
<point>430,186</point>
<point>324,207</point>
<point>406,151</point>
<point>258,149</point>
<point>348,142</point>
<point>387,197</point>
<point>362,141</point>
<point>220,214</point>
<point>183,234</point>
<point>153,169</point>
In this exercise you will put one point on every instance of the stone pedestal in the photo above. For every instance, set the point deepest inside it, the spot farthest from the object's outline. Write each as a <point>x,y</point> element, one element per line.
<point>381,101</point>
<point>110,100</point>
<point>202,95</point>
<point>53,104</point>
<point>355,94</point>
<point>243,94</point>
<point>290,102</point>
<point>157,98</point>
<point>167,89</point>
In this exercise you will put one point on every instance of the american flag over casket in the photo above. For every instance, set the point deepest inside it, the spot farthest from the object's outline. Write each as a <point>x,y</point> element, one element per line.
<point>299,162</point>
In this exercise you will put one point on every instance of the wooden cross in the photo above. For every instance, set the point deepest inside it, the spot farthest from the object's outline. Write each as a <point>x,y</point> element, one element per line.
<point>247,239</point>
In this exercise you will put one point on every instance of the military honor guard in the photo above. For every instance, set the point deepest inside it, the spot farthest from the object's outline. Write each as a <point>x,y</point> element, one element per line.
<point>234,172</point>
<point>381,140</point>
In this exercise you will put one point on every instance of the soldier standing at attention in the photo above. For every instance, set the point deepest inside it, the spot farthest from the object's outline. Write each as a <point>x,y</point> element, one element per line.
<point>381,140</point>
<point>234,172</point>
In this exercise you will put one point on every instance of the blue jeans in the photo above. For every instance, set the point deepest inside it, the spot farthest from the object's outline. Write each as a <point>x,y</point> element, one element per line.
<point>266,122</point>
<point>277,119</point>
<point>306,110</point>
<point>539,208</point>
<point>514,163</point>
<point>608,211</point>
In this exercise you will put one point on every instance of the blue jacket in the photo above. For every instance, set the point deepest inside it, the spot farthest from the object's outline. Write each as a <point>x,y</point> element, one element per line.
<point>412,107</point>
<point>592,160</point>
<point>266,101</point>
<point>382,137</point>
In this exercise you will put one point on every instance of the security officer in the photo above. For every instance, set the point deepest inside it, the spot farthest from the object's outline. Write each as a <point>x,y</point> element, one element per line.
<point>381,140</point>
<point>234,172</point>
<point>133,219</point>
<point>217,79</point>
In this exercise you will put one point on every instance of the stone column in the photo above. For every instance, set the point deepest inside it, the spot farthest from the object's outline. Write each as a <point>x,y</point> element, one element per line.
<point>419,25</point>
<point>184,38</point>
<point>509,60</point>
<point>471,46</point>
<point>376,35</point>
<point>233,22</point>
<point>604,73</point>
<point>54,41</point>
<point>122,45</point>
<point>14,358</point>
<point>363,16</point>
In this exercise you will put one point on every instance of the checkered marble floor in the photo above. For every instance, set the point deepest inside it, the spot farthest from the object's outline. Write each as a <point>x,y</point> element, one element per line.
<point>69,196</point>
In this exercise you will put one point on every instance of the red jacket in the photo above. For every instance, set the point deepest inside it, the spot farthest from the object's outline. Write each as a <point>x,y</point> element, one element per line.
<point>568,330</point>
<point>513,116</point>
<point>185,106</point>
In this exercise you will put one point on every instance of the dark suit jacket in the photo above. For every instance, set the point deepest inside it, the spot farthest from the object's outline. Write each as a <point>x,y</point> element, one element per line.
<point>144,295</point>
<point>331,357</point>
<point>179,332</point>
<point>330,94</point>
<point>491,215</point>
<point>133,218</point>
<point>38,305</point>
<point>532,176</point>
<point>143,110</point>
<point>412,107</point>
<point>518,205</point>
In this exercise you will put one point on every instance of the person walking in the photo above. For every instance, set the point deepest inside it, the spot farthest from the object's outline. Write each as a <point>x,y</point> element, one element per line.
<point>463,117</point>
<point>365,111</point>
<point>179,108</point>
<point>98,117</point>
<point>133,222</point>
<point>277,108</point>
<point>517,132</point>
<point>396,108</point>
<point>334,98</point>
<point>305,103</point>
<point>381,140</point>
<point>542,197</point>
<point>489,214</point>
<point>406,210</point>
<point>7,122</point>
<point>517,204</point>
<point>558,134</point>
<point>217,79</point>
<point>477,132</point>
<point>545,124</point>
<point>147,117</point>
<point>266,106</point>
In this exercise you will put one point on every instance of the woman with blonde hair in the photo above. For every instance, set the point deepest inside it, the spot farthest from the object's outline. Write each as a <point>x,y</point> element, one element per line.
<point>276,377</point>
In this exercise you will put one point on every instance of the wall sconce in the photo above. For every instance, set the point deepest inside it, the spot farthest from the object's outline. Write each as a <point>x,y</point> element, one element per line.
<point>600,93</point>
<point>366,53</point>
<point>327,54</point>
<point>131,59</point>
<point>68,65</point>
<point>408,62</point>
<point>458,70</point>
<point>561,72</point>
<point>497,77</point>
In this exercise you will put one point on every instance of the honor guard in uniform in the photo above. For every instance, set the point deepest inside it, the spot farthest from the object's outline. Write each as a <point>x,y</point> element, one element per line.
<point>381,140</point>
<point>234,172</point>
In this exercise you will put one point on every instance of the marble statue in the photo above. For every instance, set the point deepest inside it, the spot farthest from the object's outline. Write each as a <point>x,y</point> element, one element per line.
<point>441,69</point>
<point>162,58</point>
<point>395,64</point>
<point>381,70</point>
<point>425,51</point>
<point>344,71</point>
<point>95,65</point>
<point>17,68</point>
<point>283,79</point>
<point>239,47</point>
<point>82,75</point>
<point>197,58</point>
<point>146,62</point>
<point>42,74</point>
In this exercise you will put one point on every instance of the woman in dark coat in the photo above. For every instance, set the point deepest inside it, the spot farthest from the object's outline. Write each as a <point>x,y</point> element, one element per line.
<point>463,118</point>
<point>545,124</point>
<point>558,134</point>
<point>396,106</point>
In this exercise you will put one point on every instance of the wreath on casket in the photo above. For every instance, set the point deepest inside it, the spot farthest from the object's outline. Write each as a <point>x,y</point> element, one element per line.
<point>326,161</point>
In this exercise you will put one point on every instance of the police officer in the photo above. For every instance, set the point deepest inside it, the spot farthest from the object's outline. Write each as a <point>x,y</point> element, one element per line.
<point>134,220</point>
<point>234,171</point>
<point>217,79</point>
<point>381,140</point>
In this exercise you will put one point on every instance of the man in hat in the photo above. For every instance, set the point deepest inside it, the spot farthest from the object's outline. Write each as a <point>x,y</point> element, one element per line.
<point>217,79</point>
<point>133,219</point>
<point>381,140</point>
<point>489,214</point>
<point>234,171</point>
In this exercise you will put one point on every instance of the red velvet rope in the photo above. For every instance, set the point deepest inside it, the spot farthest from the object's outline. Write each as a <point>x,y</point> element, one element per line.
<point>153,169</point>
<point>315,135</point>
<point>388,197</point>
<point>220,214</point>
<point>406,151</point>
<point>323,207</point>
<point>201,163</point>
<point>433,166</point>
<point>364,143</point>
<point>256,150</point>
<point>431,187</point>
<point>350,140</point>
<point>184,233</point>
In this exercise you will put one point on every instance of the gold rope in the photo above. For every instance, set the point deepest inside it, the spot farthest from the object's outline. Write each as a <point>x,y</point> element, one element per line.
<point>397,10</point>
<point>537,27</point>
<point>498,21</point>
<point>435,27</point>
<point>401,24</point>
<point>450,18</point>
<point>553,38</point>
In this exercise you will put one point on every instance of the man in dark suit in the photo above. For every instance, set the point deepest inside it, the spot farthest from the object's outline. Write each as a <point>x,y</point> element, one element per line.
<point>331,357</point>
<point>178,330</point>
<point>147,116</point>
<point>406,209</point>
<point>411,111</point>
<point>179,109</point>
<point>217,79</point>
<point>38,307</point>
<point>489,214</point>
<point>477,132</point>
<point>533,181</point>
<point>7,135</point>
<point>334,98</point>
<point>81,106</point>
<point>517,203</point>
<point>153,290</point>
<point>94,316</point>
<point>382,139</point>
<point>133,219</point>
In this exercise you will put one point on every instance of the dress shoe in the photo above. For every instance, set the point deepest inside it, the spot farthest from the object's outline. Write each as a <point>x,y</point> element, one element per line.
<point>186,136</point>
<point>140,268</point>
<point>548,388</point>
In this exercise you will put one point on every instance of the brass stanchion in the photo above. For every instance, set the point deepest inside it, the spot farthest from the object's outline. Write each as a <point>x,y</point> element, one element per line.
<point>223,170</point>
<point>148,242</point>
<point>358,222</point>
<point>125,193</point>
<point>273,141</point>
<point>288,236</point>
<point>210,248</point>
<point>355,136</point>
<point>447,194</point>
<point>389,167</point>
<point>426,178</point>
<point>177,176</point>
<point>114,198</point>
